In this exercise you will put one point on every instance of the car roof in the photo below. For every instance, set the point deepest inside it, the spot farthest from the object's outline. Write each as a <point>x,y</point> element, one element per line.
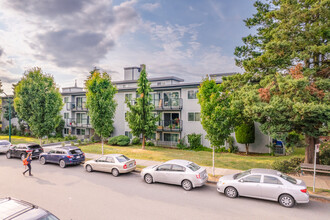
<point>264,171</point>
<point>113,155</point>
<point>29,144</point>
<point>68,148</point>
<point>179,162</point>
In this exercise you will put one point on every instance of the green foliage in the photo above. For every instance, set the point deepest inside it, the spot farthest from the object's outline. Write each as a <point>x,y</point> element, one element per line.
<point>38,102</point>
<point>69,138</point>
<point>72,143</point>
<point>14,130</point>
<point>140,117</point>
<point>13,113</point>
<point>182,145</point>
<point>59,128</point>
<point>272,147</point>
<point>120,140</point>
<point>79,142</point>
<point>324,155</point>
<point>287,166</point>
<point>245,134</point>
<point>232,148</point>
<point>150,143</point>
<point>194,140</point>
<point>221,149</point>
<point>136,141</point>
<point>93,139</point>
<point>101,103</point>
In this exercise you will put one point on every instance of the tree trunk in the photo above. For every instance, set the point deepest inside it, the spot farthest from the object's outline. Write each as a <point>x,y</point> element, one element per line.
<point>102,145</point>
<point>143,142</point>
<point>40,141</point>
<point>213,169</point>
<point>247,148</point>
<point>310,148</point>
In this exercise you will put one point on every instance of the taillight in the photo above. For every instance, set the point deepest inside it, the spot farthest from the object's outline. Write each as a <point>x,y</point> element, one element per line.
<point>304,190</point>
<point>84,154</point>
<point>134,162</point>
<point>125,166</point>
<point>69,156</point>
<point>28,151</point>
<point>198,176</point>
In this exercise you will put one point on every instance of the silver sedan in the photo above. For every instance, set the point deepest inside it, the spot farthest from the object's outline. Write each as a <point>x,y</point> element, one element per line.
<point>4,146</point>
<point>112,163</point>
<point>265,184</point>
<point>178,172</point>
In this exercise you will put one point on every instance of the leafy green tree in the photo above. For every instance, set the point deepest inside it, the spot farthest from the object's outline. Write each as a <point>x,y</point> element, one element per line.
<point>217,116</point>
<point>101,103</point>
<point>38,102</point>
<point>6,111</point>
<point>59,127</point>
<point>140,117</point>
<point>289,33</point>
<point>245,134</point>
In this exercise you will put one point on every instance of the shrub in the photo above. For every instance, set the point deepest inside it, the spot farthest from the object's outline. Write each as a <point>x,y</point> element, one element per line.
<point>288,166</point>
<point>93,139</point>
<point>272,147</point>
<point>79,142</point>
<point>72,143</point>
<point>220,149</point>
<point>202,148</point>
<point>181,144</point>
<point>324,154</point>
<point>120,140</point>
<point>150,143</point>
<point>232,148</point>
<point>113,141</point>
<point>136,141</point>
<point>245,134</point>
<point>194,140</point>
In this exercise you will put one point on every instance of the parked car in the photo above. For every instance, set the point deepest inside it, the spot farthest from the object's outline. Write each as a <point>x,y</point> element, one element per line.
<point>265,184</point>
<point>179,172</point>
<point>18,209</point>
<point>21,151</point>
<point>112,163</point>
<point>4,146</point>
<point>63,156</point>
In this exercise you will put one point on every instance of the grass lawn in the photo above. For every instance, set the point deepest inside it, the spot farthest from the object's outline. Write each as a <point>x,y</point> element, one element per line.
<point>222,160</point>
<point>19,139</point>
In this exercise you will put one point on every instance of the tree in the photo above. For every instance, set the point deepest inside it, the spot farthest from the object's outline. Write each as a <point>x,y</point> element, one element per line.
<point>38,102</point>
<point>101,103</point>
<point>59,127</point>
<point>217,116</point>
<point>245,134</point>
<point>140,117</point>
<point>290,35</point>
<point>6,111</point>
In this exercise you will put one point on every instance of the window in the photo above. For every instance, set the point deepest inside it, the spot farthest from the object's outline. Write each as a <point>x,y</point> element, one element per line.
<point>192,94</point>
<point>240,175</point>
<point>102,159</point>
<point>66,115</point>
<point>83,131</point>
<point>110,160</point>
<point>128,134</point>
<point>178,168</point>
<point>194,116</point>
<point>171,137</point>
<point>252,179</point>
<point>66,99</point>
<point>289,179</point>
<point>75,151</point>
<point>164,167</point>
<point>81,102</point>
<point>271,180</point>
<point>78,131</point>
<point>122,159</point>
<point>66,130</point>
<point>193,166</point>
<point>128,97</point>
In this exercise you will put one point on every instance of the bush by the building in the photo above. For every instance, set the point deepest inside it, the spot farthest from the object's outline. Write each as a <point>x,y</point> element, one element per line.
<point>120,140</point>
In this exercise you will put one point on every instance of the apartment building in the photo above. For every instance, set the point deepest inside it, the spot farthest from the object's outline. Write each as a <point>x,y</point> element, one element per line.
<point>174,101</point>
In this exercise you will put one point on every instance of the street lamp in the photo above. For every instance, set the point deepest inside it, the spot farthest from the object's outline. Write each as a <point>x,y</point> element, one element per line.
<point>9,116</point>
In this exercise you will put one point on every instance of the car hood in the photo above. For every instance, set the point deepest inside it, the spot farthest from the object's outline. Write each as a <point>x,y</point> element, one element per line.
<point>227,177</point>
<point>149,168</point>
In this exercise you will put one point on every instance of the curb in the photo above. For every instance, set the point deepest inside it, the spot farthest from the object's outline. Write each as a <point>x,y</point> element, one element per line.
<point>319,197</point>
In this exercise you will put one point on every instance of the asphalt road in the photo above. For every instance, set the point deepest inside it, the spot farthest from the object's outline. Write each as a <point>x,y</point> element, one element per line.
<point>72,193</point>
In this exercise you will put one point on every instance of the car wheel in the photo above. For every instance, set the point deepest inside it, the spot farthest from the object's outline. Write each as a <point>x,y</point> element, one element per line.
<point>187,185</point>
<point>8,155</point>
<point>89,168</point>
<point>231,192</point>
<point>115,172</point>
<point>23,156</point>
<point>43,160</point>
<point>62,164</point>
<point>286,201</point>
<point>148,179</point>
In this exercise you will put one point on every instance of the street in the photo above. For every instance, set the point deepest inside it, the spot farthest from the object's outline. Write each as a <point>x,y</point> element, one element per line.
<point>72,193</point>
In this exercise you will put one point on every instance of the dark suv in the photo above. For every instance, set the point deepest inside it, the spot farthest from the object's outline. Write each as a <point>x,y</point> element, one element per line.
<point>17,209</point>
<point>21,151</point>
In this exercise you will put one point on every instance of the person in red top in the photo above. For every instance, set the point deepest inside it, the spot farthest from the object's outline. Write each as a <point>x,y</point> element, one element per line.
<point>28,159</point>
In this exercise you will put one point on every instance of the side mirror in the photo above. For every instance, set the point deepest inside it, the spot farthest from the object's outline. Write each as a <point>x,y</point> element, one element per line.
<point>241,181</point>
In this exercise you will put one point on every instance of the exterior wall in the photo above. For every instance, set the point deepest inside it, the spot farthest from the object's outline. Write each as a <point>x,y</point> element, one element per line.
<point>119,120</point>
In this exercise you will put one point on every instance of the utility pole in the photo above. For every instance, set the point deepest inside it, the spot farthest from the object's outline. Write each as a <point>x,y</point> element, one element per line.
<point>9,116</point>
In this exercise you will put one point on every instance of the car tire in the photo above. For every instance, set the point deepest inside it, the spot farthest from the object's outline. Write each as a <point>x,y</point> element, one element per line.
<point>43,160</point>
<point>23,156</point>
<point>8,155</point>
<point>286,200</point>
<point>231,192</point>
<point>115,172</point>
<point>89,168</point>
<point>62,164</point>
<point>187,185</point>
<point>148,178</point>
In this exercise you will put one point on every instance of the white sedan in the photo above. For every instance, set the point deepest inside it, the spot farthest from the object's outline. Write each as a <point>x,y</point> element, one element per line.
<point>4,146</point>
<point>112,163</point>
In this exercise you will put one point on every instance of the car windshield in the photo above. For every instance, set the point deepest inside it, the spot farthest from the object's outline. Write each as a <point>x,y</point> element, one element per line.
<point>240,175</point>
<point>122,158</point>
<point>4,143</point>
<point>76,151</point>
<point>288,178</point>
<point>34,146</point>
<point>193,166</point>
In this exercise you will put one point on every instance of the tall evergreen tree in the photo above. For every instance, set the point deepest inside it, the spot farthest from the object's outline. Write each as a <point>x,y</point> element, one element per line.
<point>140,118</point>
<point>101,103</point>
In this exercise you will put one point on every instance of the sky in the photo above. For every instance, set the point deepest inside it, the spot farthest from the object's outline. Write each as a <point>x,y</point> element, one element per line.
<point>68,38</point>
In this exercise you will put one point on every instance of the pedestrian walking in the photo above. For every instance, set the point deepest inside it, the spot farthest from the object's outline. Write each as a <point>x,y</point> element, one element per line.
<point>27,162</point>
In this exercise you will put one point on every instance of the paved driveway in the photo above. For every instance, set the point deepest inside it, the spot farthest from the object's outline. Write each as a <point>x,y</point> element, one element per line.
<point>72,193</point>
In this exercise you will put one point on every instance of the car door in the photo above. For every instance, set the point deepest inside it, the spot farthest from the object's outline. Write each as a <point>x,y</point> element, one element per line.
<point>110,163</point>
<point>100,164</point>
<point>162,172</point>
<point>176,175</point>
<point>50,156</point>
<point>16,151</point>
<point>249,186</point>
<point>271,187</point>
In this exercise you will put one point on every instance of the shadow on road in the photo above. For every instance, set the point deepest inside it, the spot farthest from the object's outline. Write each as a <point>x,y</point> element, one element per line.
<point>42,181</point>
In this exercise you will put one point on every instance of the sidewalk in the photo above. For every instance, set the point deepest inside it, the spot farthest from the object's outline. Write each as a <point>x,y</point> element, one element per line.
<point>322,182</point>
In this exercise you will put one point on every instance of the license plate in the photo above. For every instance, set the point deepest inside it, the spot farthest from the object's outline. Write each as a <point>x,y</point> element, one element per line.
<point>36,151</point>
<point>130,165</point>
<point>78,156</point>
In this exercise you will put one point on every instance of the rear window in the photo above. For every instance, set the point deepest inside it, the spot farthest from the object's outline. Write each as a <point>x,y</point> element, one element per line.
<point>34,146</point>
<point>240,175</point>
<point>122,159</point>
<point>4,143</point>
<point>193,166</point>
<point>288,178</point>
<point>76,151</point>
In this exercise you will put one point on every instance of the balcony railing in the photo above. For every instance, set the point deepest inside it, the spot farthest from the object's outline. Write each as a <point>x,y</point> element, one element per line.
<point>167,143</point>
<point>170,125</point>
<point>170,104</point>
<point>81,123</point>
<point>72,106</point>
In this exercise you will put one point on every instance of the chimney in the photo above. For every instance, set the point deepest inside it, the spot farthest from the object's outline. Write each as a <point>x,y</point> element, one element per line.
<point>75,83</point>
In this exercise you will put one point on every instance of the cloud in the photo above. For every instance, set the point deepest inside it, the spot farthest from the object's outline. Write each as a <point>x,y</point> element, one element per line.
<point>1,51</point>
<point>150,6</point>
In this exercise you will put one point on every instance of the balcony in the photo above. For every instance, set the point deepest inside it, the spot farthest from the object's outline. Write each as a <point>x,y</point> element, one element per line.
<point>167,143</point>
<point>167,104</point>
<point>170,125</point>
<point>72,106</point>
<point>82,123</point>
